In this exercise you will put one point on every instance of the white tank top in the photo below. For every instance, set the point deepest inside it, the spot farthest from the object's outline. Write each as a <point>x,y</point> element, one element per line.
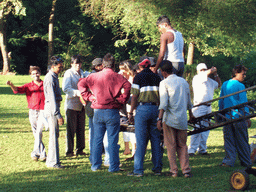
<point>174,49</point>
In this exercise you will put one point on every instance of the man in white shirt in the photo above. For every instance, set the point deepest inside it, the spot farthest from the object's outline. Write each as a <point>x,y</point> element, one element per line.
<point>75,111</point>
<point>174,103</point>
<point>203,88</point>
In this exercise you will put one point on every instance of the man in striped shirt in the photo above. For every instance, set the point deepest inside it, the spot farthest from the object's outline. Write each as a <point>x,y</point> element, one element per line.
<point>145,98</point>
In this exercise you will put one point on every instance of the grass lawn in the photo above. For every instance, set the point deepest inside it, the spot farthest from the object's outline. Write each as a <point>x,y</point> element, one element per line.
<point>19,173</point>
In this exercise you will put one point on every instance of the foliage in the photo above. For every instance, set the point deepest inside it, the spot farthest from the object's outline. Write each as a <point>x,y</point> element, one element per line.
<point>20,173</point>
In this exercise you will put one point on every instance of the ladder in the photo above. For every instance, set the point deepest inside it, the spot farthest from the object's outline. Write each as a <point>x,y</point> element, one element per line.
<point>219,119</point>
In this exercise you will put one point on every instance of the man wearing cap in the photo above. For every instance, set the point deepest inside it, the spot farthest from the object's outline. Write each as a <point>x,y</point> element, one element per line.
<point>97,65</point>
<point>145,96</point>
<point>103,89</point>
<point>171,46</point>
<point>203,89</point>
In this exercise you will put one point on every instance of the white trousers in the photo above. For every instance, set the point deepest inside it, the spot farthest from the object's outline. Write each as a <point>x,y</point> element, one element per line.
<point>198,141</point>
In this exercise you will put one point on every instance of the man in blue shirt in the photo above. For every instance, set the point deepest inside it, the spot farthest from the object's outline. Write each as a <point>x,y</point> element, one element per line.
<point>235,134</point>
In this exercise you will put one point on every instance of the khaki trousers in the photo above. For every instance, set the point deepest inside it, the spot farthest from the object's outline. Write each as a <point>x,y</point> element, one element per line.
<point>175,140</point>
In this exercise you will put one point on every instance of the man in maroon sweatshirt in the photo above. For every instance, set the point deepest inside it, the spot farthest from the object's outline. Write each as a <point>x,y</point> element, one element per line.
<point>108,92</point>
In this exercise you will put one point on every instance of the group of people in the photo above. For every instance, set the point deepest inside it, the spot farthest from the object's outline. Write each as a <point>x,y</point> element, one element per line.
<point>154,97</point>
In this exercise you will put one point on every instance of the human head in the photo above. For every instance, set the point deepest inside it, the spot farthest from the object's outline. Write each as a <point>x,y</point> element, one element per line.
<point>239,72</point>
<point>108,61</point>
<point>76,62</point>
<point>144,62</point>
<point>97,64</point>
<point>201,67</point>
<point>56,64</point>
<point>35,72</point>
<point>152,63</point>
<point>127,67</point>
<point>162,23</point>
<point>166,67</point>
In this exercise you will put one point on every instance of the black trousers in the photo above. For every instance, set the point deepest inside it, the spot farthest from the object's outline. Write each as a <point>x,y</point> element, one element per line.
<point>75,125</point>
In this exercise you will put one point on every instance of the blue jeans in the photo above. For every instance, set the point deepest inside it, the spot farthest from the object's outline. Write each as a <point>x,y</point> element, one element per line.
<point>236,142</point>
<point>106,120</point>
<point>105,142</point>
<point>145,127</point>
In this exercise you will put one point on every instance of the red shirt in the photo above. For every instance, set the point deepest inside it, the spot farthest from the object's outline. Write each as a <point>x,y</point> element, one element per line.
<point>105,89</point>
<point>34,93</point>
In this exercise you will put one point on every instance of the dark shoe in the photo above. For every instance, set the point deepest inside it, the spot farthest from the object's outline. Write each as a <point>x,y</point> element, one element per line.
<point>206,154</point>
<point>135,174</point>
<point>157,173</point>
<point>35,158</point>
<point>70,154</point>
<point>191,154</point>
<point>187,175</point>
<point>174,175</point>
<point>129,159</point>
<point>57,166</point>
<point>224,165</point>
<point>81,153</point>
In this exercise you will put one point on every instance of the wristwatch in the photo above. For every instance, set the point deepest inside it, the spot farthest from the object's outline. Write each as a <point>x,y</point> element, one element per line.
<point>159,119</point>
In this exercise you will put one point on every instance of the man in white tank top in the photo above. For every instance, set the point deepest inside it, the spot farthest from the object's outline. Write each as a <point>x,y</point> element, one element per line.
<point>171,46</point>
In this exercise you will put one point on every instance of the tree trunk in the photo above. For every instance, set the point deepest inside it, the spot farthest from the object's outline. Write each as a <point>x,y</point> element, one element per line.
<point>3,45</point>
<point>51,30</point>
<point>191,48</point>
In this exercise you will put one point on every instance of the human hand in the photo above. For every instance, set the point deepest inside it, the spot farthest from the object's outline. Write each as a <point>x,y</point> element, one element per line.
<point>8,83</point>
<point>61,121</point>
<point>130,118</point>
<point>249,123</point>
<point>159,125</point>
<point>214,70</point>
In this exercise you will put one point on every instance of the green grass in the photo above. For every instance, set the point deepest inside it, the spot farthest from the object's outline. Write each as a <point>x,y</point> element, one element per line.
<point>19,173</point>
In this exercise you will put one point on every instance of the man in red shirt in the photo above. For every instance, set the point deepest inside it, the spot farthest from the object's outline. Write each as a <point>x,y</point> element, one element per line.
<point>35,98</point>
<point>108,92</point>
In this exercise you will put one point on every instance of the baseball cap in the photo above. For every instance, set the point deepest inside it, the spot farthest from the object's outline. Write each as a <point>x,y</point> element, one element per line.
<point>97,61</point>
<point>145,62</point>
<point>201,66</point>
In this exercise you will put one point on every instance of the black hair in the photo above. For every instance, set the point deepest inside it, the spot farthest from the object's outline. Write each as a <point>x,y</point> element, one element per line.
<point>76,59</point>
<point>166,66</point>
<point>163,19</point>
<point>108,61</point>
<point>238,69</point>
<point>55,60</point>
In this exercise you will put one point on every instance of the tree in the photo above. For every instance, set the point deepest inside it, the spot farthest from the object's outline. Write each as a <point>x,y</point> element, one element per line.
<point>7,7</point>
<point>51,30</point>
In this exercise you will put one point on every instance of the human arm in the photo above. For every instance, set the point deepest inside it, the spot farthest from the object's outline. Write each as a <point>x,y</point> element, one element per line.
<point>13,87</point>
<point>163,44</point>
<point>123,98</point>
<point>134,103</point>
<point>50,91</point>
<point>84,90</point>
<point>68,87</point>
<point>160,119</point>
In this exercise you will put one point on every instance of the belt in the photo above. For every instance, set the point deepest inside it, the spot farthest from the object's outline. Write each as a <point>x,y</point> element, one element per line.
<point>148,103</point>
